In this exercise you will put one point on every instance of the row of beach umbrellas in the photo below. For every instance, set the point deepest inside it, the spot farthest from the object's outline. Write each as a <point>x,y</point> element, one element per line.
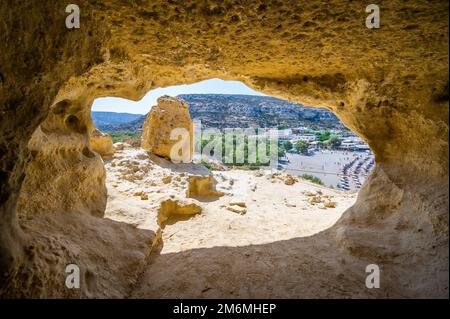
<point>354,171</point>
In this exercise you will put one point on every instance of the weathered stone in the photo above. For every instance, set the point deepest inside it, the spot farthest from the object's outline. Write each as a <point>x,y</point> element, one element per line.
<point>289,180</point>
<point>389,85</point>
<point>202,186</point>
<point>102,144</point>
<point>330,204</point>
<point>240,204</point>
<point>167,179</point>
<point>237,210</point>
<point>176,208</point>
<point>315,200</point>
<point>119,146</point>
<point>64,175</point>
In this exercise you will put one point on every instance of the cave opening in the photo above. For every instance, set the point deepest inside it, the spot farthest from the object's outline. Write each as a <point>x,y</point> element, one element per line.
<point>389,85</point>
<point>217,205</point>
<point>262,169</point>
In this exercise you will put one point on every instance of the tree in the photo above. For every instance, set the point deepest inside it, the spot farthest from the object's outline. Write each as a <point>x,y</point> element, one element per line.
<point>287,145</point>
<point>301,146</point>
<point>322,137</point>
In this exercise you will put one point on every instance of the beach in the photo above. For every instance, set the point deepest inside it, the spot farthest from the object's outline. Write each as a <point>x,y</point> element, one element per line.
<point>326,165</point>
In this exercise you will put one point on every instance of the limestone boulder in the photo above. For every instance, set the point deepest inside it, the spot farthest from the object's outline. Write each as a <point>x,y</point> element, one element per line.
<point>102,144</point>
<point>388,85</point>
<point>289,180</point>
<point>177,208</point>
<point>202,186</point>
<point>163,126</point>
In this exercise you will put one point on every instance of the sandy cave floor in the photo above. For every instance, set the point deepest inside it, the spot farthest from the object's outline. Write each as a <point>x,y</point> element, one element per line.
<point>220,253</point>
<point>274,211</point>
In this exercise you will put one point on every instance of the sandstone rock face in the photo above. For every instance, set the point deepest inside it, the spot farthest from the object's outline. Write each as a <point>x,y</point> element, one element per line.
<point>102,144</point>
<point>176,208</point>
<point>64,174</point>
<point>389,85</point>
<point>158,135</point>
<point>202,186</point>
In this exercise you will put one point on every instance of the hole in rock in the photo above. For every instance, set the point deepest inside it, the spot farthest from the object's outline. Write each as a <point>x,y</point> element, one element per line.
<point>261,169</point>
<point>74,124</point>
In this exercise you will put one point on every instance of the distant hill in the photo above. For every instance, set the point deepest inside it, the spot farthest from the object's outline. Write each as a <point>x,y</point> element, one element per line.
<point>106,121</point>
<point>231,111</point>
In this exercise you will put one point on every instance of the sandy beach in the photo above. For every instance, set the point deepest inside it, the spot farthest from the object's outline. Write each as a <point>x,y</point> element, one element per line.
<point>326,165</point>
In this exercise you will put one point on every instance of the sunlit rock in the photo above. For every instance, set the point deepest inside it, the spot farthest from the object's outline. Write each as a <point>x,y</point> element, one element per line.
<point>177,208</point>
<point>168,130</point>
<point>202,186</point>
<point>102,144</point>
<point>389,85</point>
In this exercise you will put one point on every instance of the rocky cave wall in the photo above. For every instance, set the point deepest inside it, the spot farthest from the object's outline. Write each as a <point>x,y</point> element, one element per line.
<point>390,85</point>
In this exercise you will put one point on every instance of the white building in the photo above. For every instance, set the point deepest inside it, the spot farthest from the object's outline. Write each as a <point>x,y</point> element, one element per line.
<point>307,138</point>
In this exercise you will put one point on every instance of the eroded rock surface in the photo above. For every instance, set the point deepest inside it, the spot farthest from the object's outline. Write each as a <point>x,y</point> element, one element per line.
<point>159,135</point>
<point>102,144</point>
<point>202,186</point>
<point>173,208</point>
<point>64,174</point>
<point>389,85</point>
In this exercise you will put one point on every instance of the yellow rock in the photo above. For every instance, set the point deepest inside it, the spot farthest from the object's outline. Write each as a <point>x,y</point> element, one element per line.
<point>315,200</point>
<point>162,129</point>
<point>240,204</point>
<point>102,144</point>
<point>176,208</point>
<point>389,85</point>
<point>240,211</point>
<point>202,186</point>
<point>167,179</point>
<point>289,180</point>
<point>119,146</point>
<point>330,204</point>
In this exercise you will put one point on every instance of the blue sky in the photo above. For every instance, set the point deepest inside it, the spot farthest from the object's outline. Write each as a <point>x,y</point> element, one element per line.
<point>217,86</point>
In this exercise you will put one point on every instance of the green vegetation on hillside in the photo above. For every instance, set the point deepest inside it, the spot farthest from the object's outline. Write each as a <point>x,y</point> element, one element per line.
<point>123,136</point>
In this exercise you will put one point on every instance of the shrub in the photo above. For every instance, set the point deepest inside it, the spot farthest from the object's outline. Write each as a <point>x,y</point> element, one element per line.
<point>124,136</point>
<point>312,179</point>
